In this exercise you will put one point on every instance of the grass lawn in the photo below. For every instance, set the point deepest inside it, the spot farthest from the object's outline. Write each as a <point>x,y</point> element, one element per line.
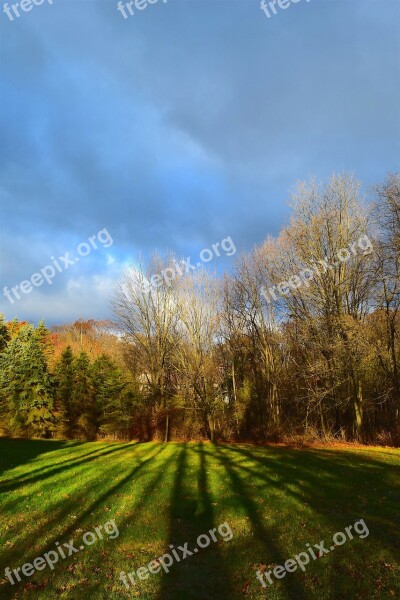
<point>275,501</point>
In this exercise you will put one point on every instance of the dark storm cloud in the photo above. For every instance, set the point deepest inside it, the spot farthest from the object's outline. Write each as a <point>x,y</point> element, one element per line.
<point>181,125</point>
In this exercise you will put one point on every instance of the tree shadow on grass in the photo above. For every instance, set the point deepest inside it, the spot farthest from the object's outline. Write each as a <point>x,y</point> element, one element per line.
<point>6,591</point>
<point>202,574</point>
<point>328,481</point>
<point>265,534</point>
<point>339,489</point>
<point>15,452</point>
<point>41,474</point>
<point>133,550</point>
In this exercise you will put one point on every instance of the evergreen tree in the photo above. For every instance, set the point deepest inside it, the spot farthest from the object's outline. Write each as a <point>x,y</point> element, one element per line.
<point>43,336</point>
<point>112,397</point>
<point>83,404</point>
<point>4,335</point>
<point>25,386</point>
<point>64,383</point>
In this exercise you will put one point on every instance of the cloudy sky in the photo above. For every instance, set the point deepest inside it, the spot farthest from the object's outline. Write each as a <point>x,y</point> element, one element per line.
<point>183,124</point>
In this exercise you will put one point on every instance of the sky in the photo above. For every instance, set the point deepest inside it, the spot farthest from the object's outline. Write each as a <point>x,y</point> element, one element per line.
<point>176,128</point>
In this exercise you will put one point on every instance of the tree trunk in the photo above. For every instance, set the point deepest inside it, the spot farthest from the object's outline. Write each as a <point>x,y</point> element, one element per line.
<point>359,411</point>
<point>166,429</point>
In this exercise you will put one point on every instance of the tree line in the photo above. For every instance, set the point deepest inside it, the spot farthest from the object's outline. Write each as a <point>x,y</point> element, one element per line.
<point>69,397</point>
<point>265,353</point>
<point>300,339</point>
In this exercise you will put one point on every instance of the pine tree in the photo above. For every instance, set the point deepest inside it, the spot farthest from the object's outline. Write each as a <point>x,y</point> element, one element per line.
<point>112,397</point>
<point>44,338</point>
<point>83,405</point>
<point>4,335</point>
<point>64,383</point>
<point>25,386</point>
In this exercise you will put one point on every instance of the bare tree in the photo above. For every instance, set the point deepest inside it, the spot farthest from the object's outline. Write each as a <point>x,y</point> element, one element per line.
<point>195,357</point>
<point>247,310</point>
<point>323,241</point>
<point>148,315</point>
<point>387,217</point>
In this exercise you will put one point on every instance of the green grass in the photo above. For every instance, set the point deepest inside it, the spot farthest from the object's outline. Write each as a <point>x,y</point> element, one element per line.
<point>274,499</point>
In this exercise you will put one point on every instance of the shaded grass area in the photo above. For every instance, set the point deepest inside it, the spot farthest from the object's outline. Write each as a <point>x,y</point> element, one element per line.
<point>275,500</point>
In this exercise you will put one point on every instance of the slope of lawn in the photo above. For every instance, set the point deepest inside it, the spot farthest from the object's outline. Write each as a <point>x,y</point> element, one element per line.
<point>275,500</point>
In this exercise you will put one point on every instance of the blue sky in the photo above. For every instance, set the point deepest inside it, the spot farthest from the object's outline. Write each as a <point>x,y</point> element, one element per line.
<point>186,123</point>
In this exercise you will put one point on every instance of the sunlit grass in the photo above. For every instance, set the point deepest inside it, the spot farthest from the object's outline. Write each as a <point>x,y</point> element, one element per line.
<point>275,500</point>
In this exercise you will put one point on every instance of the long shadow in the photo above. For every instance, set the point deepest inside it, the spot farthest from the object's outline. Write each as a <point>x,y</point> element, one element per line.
<point>138,508</point>
<point>60,462</point>
<point>307,470</point>
<point>201,575</point>
<point>321,479</point>
<point>29,540</point>
<point>13,484</point>
<point>16,452</point>
<point>330,485</point>
<point>222,587</point>
<point>266,535</point>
